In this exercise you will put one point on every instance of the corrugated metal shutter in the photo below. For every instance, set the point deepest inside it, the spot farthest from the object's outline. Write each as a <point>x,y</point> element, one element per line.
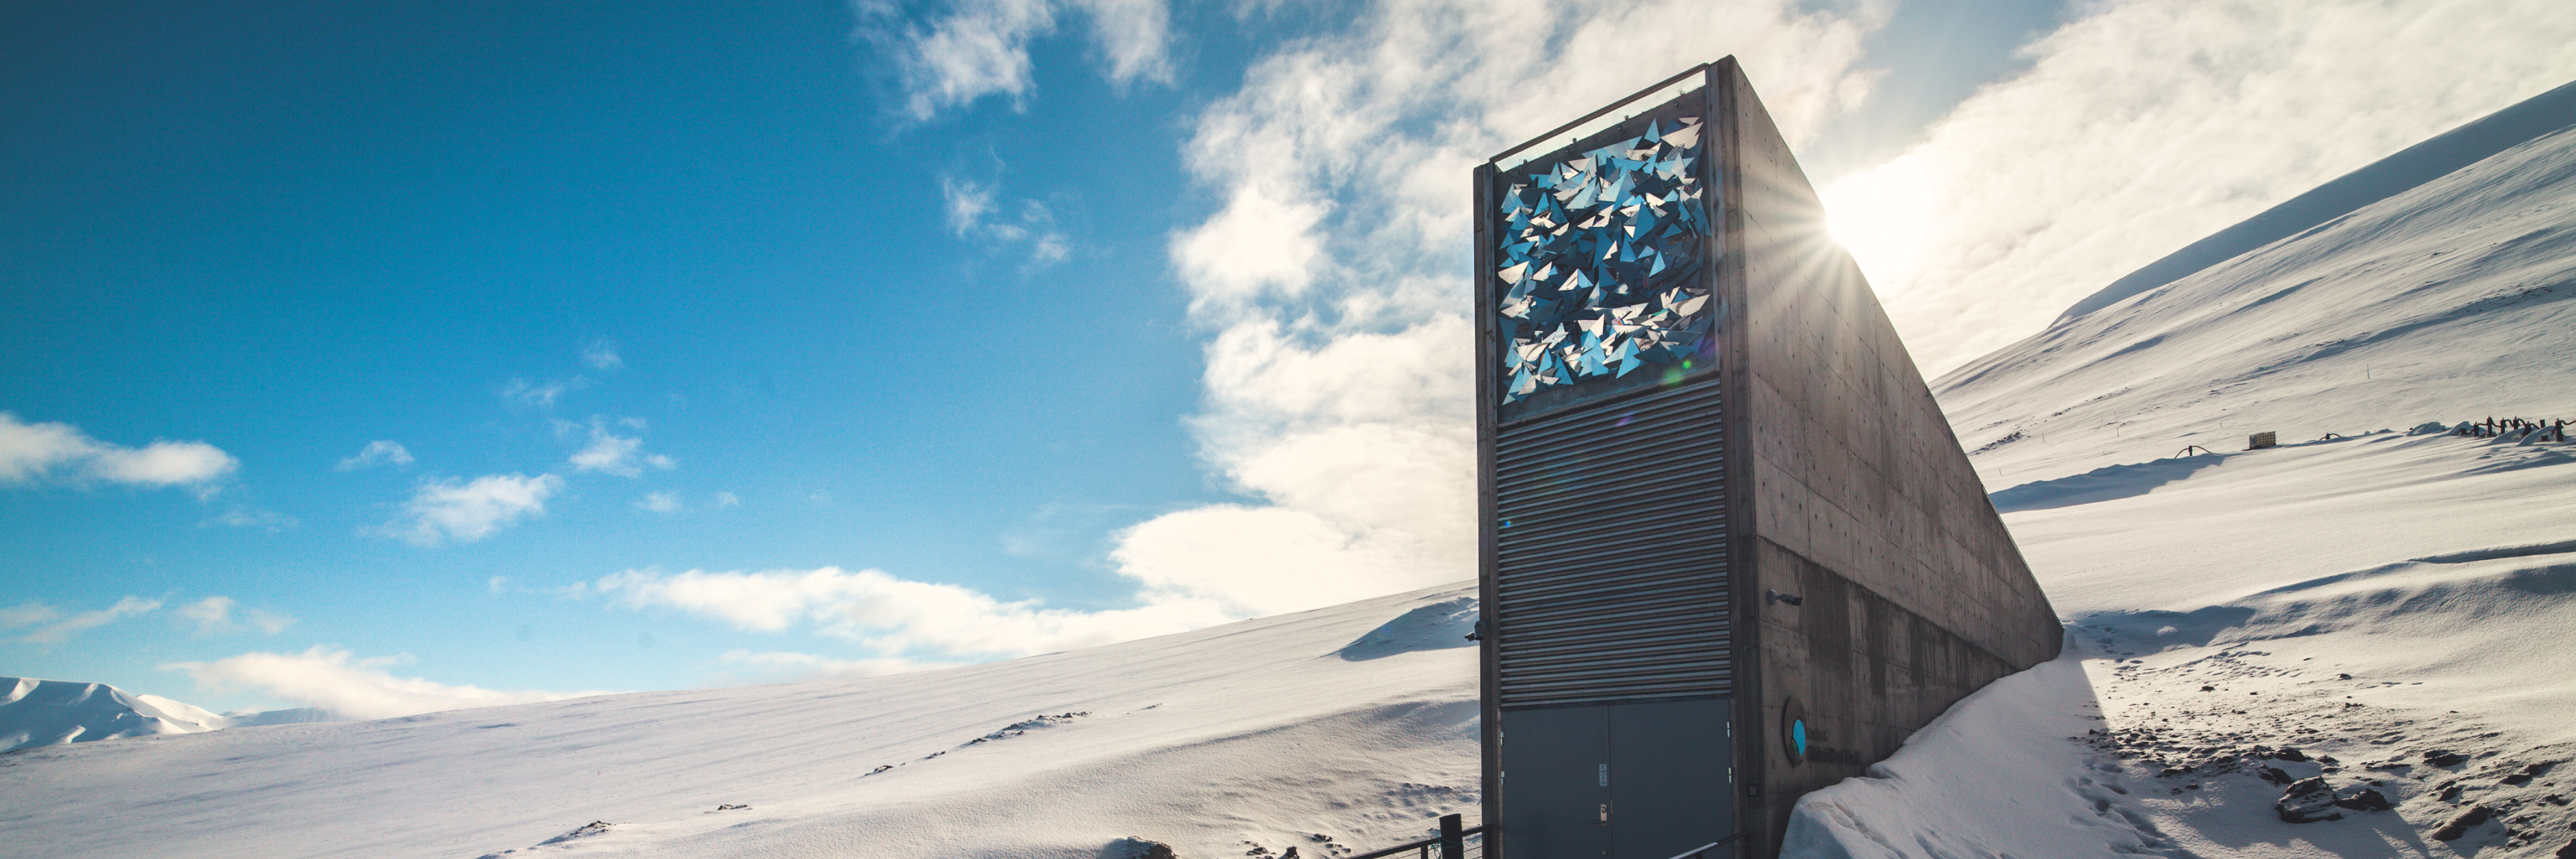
<point>1611,552</point>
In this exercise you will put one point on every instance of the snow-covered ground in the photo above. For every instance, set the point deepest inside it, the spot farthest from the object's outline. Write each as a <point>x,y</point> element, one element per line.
<point>2397,609</point>
<point>2453,301</point>
<point>2391,614</point>
<point>1356,723</point>
<point>2367,601</point>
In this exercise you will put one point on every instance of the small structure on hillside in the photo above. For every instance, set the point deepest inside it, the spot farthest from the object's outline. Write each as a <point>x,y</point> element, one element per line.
<point>1730,550</point>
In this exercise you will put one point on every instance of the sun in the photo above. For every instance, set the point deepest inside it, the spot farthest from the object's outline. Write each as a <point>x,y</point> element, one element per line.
<point>1882,216</point>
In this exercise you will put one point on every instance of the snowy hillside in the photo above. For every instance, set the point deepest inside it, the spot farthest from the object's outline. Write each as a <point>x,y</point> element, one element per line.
<point>1356,722</point>
<point>2452,301</point>
<point>2384,613</point>
<point>49,712</point>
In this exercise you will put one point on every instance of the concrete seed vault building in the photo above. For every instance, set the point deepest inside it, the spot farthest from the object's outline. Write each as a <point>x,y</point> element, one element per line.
<point>1731,552</point>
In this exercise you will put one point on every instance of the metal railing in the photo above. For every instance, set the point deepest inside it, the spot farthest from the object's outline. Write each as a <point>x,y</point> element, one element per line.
<point>2494,427</point>
<point>1452,842</point>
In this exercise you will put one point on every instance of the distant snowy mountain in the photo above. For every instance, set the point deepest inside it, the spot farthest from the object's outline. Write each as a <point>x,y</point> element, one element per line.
<point>52,712</point>
<point>49,712</point>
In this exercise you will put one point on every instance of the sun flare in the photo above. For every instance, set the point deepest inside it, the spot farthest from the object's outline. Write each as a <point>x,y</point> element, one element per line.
<point>1882,216</point>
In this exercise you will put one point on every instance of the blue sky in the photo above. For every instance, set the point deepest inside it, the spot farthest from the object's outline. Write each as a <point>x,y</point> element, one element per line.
<point>709,343</point>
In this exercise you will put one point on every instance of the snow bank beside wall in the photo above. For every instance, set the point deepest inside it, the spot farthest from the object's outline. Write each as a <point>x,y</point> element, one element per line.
<point>1997,775</point>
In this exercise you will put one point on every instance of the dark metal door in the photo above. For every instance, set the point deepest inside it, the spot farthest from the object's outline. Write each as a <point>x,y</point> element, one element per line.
<point>1556,782</point>
<point>1668,778</point>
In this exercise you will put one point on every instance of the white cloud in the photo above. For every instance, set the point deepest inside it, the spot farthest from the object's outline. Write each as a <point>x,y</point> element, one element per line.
<point>250,517</point>
<point>328,678</point>
<point>972,208</point>
<point>619,455</point>
<point>378,452</point>
<point>2147,124</point>
<point>164,463</point>
<point>898,617</point>
<point>66,627</point>
<point>1258,244</point>
<point>1338,385</point>
<point>968,202</point>
<point>214,616</point>
<point>27,614</point>
<point>1134,37</point>
<point>1049,249</point>
<point>446,509</point>
<point>669,501</point>
<point>32,452</point>
<point>29,451</point>
<point>602,355</point>
<point>541,394</point>
<point>980,48</point>
<point>610,453</point>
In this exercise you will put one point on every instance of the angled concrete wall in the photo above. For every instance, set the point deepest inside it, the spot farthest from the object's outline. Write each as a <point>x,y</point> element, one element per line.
<point>1633,525</point>
<point>1860,502</point>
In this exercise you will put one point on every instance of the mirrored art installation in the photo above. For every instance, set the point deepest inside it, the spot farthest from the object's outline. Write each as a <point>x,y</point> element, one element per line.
<point>1600,261</point>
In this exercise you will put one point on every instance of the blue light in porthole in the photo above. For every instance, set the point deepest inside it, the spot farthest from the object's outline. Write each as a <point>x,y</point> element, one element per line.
<point>1798,734</point>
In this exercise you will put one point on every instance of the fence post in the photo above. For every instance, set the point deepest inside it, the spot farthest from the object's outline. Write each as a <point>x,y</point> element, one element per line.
<point>1453,845</point>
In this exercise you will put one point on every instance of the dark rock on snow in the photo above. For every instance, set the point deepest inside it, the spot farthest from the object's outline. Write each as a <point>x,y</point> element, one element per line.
<point>2362,799</point>
<point>2308,801</point>
<point>2460,825</point>
<point>586,830</point>
<point>2444,757</point>
<point>1132,847</point>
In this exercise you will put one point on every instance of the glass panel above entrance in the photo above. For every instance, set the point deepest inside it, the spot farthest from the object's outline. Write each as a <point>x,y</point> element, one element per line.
<point>1602,263</point>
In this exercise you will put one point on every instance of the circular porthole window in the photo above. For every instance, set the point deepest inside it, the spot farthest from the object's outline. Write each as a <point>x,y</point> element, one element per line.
<point>1793,731</point>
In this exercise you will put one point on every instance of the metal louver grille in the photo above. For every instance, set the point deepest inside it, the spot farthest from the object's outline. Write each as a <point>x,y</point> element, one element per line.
<point>1611,555</point>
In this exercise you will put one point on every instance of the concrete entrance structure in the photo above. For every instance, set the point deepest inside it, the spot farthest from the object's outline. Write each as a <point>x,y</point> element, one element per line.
<point>1731,551</point>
